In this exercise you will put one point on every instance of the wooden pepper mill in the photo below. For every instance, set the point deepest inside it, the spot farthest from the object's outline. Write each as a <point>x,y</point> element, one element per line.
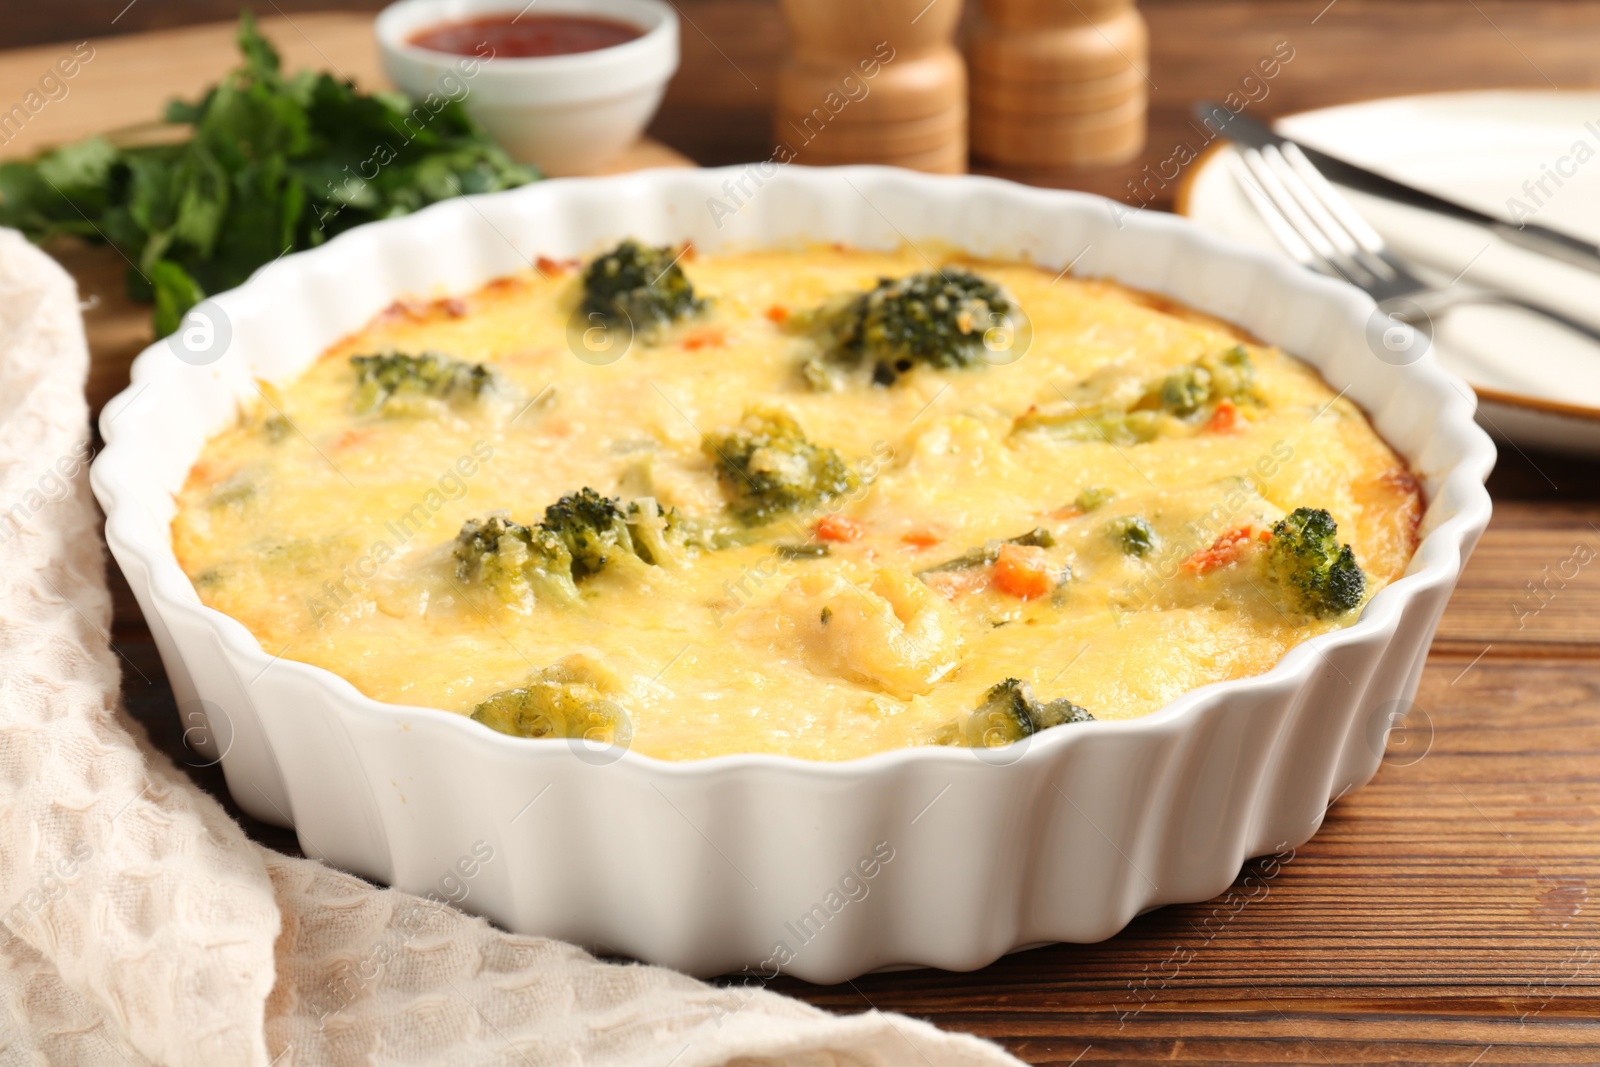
<point>1059,83</point>
<point>873,82</point>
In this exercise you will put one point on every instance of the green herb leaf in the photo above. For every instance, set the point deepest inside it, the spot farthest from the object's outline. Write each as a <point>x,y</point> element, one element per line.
<point>175,293</point>
<point>273,164</point>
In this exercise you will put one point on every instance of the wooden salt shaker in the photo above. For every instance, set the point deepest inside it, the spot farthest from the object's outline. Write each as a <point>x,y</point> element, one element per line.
<point>1059,83</point>
<point>874,82</point>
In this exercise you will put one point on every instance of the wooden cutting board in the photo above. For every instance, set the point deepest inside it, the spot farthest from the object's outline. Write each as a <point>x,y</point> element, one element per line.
<point>119,82</point>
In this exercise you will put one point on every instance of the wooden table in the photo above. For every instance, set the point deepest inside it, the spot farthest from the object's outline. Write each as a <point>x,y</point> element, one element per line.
<point>1442,914</point>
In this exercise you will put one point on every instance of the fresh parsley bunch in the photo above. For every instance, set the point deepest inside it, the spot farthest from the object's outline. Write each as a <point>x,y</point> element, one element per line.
<point>273,164</point>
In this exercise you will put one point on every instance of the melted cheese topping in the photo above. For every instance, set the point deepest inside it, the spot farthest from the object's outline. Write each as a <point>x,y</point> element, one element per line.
<point>328,533</point>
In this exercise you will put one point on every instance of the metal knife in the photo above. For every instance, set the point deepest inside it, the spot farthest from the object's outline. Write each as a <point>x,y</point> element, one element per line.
<point>1532,236</point>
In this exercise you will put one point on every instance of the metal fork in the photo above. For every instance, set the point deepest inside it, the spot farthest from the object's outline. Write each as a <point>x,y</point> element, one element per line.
<point>1318,228</point>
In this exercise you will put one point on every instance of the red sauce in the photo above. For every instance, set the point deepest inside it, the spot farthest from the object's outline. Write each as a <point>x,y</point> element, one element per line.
<point>528,35</point>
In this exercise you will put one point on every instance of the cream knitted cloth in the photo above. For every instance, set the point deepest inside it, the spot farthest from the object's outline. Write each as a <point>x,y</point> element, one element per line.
<point>142,926</point>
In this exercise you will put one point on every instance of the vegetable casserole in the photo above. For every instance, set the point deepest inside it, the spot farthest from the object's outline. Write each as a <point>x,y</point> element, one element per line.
<point>823,502</point>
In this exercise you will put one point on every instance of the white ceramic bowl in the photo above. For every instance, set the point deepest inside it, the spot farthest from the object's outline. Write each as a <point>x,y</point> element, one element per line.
<point>566,114</point>
<point>710,866</point>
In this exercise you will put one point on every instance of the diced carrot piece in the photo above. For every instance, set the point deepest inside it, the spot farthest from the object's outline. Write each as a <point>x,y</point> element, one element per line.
<point>350,439</point>
<point>920,538</point>
<point>1225,419</point>
<point>1023,571</point>
<point>1225,550</point>
<point>546,265</point>
<point>778,313</point>
<point>1071,511</point>
<point>707,338</point>
<point>838,528</point>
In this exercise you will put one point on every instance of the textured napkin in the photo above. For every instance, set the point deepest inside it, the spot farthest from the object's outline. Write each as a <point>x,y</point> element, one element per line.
<point>142,926</point>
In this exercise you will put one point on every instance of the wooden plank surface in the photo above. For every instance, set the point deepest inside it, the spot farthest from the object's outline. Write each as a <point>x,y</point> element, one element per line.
<point>1443,913</point>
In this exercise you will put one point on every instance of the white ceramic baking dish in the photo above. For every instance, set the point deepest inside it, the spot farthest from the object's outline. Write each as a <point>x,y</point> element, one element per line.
<point>934,856</point>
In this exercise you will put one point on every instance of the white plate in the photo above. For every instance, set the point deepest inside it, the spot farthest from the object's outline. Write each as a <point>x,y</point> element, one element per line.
<point>1539,384</point>
<point>750,860</point>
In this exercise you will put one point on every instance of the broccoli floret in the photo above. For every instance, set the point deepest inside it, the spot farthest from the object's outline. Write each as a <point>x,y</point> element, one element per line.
<point>1006,715</point>
<point>1208,380</point>
<point>1183,394</point>
<point>768,467</point>
<point>514,562</point>
<point>1093,497</point>
<point>937,317</point>
<point>1318,576</point>
<point>659,534</point>
<point>593,528</point>
<point>1184,391</point>
<point>1113,427</point>
<point>598,530</point>
<point>570,699</point>
<point>1010,712</point>
<point>642,285</point>
<point>1060,712</point>
<point>1133,535</point>
<point>581,534</point>
<point>400,384</point>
